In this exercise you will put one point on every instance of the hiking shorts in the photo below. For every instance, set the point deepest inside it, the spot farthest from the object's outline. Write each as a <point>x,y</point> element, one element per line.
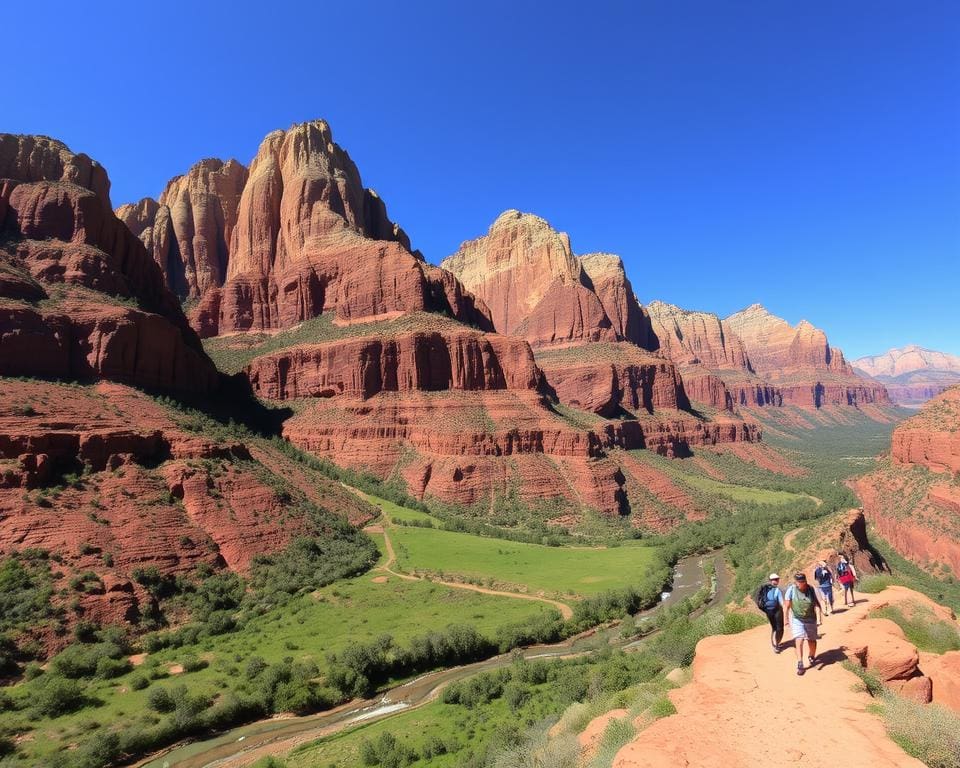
<point>803,630</point>
<point>827,590</point>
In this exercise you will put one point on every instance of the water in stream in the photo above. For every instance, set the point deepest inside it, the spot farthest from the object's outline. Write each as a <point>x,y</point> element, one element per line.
<point>234,747</point>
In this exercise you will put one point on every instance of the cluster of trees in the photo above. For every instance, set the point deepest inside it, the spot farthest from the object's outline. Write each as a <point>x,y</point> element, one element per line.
<point>360,668</point>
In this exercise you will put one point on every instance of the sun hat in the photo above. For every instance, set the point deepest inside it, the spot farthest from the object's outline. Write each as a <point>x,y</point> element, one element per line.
<point>774,576</point>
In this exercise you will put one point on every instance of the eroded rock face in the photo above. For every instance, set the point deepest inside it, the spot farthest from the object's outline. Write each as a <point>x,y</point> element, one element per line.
<point>697,338</point>
<point>609,280</point>
<point>932,437</point>
<point>776,346</point>
<point>151,493</point>
<point>310,238</point>
<point>86,300</point>
<point>427,361</point>
<point>607,378</point>
<point>514,266</point>
<point>189,230</point>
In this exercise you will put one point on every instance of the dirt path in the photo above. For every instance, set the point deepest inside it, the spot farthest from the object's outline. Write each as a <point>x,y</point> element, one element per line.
<point>740,689</point>
<point>788,539</point>
<point>565,610</point>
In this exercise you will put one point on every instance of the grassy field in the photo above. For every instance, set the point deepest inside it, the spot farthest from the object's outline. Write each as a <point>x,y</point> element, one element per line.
<point>744,493</point>
<point>562,571</point>
<point>307,628</point>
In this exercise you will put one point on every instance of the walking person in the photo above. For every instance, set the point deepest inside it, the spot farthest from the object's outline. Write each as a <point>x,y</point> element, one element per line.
<point>824,578</point>
<point>769,599</point>
<point>801,602</point>
<point>847,576</point>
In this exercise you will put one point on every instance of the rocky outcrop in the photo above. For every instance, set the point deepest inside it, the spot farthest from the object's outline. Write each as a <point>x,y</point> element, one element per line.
<point>189,230</point>
<point>729,668</point>
<point>913,499</point>
<point>606,379</point>
<point>424,361</point>
<point>147,492</point>
<point>85,300</point>
<point>310,239</point>
<point>697,338</point>
<point>608,278</point>
<point>932,437</point>
<point>535,287</point>
<point>776,346</point>
<point>514,266</point>
<point>568,312</point>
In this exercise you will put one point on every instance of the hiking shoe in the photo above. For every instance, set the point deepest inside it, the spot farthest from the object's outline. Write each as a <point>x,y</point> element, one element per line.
<point>800,669</point>
<point>776,649</point>
<point>812,660</point>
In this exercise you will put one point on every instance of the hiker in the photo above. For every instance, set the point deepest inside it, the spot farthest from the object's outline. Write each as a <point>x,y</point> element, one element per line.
<point>801,601</point>
<point>847,576</point>
<point>824,578</point>
<point>769,599</point>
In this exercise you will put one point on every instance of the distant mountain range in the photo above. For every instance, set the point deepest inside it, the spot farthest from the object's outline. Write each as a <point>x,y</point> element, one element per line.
<point>912,374</point>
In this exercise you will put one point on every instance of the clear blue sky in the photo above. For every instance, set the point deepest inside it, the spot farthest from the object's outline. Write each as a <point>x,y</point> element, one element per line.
<point>803,155</point>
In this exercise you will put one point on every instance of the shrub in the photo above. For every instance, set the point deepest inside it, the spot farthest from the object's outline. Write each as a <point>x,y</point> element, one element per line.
<point>875,583</point>
<point>160,700</point>
<point>139,682</point>
<point>57,696</point>
<point>928,732</point>
<point>192,663</point>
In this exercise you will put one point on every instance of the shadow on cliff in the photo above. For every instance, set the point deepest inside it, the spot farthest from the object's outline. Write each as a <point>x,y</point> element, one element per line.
<point>234,401</point>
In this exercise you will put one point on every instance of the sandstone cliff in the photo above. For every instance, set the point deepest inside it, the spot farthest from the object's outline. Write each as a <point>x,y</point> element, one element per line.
<point>80,297</point>
<point>189,229</point>
<point>310,238</point>
<point>913,498</point>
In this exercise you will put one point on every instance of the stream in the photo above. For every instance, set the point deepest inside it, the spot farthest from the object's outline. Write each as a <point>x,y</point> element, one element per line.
<point>245,744</point>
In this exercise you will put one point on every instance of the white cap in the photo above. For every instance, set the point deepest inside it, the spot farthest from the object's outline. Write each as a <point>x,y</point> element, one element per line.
<point>774,576</point>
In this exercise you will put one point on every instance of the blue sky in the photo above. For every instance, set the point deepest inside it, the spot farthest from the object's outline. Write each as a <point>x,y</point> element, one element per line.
<point>803,155</point>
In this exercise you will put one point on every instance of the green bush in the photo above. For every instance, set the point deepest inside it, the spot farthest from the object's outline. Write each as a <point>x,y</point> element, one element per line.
<point>56,696</point>
<point>139,682</point>
<point>928,732</point>
<point>875,583</point>
<point>160,700</point>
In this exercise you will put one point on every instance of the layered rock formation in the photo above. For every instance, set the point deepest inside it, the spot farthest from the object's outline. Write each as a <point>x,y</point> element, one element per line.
<point>310,238</point>
<point>912,374</point>
<point>913,499</point>
<point>697,338</point>
<point>80,297</point>
<point>535,287</point>
<point>149,493</point>
<point>190,228</point>
<point>608,278</point>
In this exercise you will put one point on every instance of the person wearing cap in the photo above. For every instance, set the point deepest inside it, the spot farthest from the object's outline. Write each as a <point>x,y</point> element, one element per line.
<point>804,608</point>
<point>770,601</point>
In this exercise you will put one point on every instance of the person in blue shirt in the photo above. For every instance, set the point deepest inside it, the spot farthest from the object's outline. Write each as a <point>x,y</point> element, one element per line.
<point>804,609</point>
<point>770,601</point>
<point>824,578</point>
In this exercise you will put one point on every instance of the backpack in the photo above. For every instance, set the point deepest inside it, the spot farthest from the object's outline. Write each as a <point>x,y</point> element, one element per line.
<point>802,604</point>
<point>822,575</point>
<point>842,568</point>
<point>765,602</point>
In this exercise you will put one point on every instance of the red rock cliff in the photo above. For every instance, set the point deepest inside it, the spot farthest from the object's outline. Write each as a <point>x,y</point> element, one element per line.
<point>80,297</point>
<point>310,238</point>
<point>189,230</point>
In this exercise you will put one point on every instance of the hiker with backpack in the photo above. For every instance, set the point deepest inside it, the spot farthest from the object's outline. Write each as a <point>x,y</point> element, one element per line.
<point>847,576</point>
<point>769,599</point>
<point>824,578</point>
<point>802,603</point>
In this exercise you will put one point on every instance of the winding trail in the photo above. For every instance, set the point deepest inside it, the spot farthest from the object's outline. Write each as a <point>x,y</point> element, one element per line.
<point>788,539</point>
<point>565,610</point>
